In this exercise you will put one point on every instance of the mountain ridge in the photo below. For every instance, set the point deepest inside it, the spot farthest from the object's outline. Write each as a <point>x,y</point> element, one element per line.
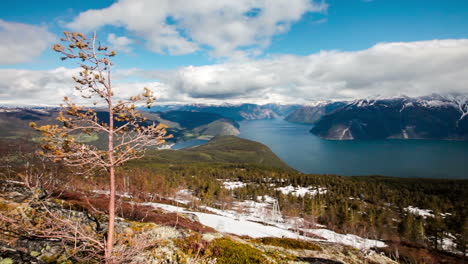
<point>427,117</point>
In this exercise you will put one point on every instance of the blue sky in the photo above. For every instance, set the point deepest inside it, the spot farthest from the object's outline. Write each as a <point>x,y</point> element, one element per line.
<point>220,43</point>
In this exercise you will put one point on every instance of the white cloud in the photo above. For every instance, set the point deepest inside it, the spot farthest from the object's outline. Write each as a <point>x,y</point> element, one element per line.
<point>35,87</point>
<point>120,43</point>
<point>386,69</point>
<point>49,87</point>
<point>181,26</point>
<point>22,42</point>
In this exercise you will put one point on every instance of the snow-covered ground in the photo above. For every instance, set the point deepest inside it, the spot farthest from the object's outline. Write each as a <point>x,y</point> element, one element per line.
<point>231,185</point>
<point>418,211</point>
<point>248,225</point>
<point>424,212</point>
<point>448,243</point>
<point>184,196</point>
<point>301,191</point>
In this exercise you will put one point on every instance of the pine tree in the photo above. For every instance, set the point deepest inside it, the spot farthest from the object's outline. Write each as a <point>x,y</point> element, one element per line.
<point>125,130</point>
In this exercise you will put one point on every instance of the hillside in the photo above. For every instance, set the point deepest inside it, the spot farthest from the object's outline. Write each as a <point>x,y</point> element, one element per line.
<point>222,149</point>
<point>197,124</point>
<point>149,232</point>
<point>432,117</point>
<point>309,114</point>
<point>228,188</point>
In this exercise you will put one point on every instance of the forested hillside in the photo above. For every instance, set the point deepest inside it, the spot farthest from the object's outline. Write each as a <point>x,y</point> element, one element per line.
<point>418,219</point>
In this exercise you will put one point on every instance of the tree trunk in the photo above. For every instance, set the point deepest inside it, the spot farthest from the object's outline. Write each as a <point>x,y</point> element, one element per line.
<point>110,229</point>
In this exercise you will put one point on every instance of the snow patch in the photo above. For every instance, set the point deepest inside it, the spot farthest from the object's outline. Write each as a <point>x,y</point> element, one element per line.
<point>231,185</point>
<point>405,134</point>
<point>301,191</point>
<point>417,211</point>
<point>347,239</point>
<point>4,110</point>
<point>225,222</point>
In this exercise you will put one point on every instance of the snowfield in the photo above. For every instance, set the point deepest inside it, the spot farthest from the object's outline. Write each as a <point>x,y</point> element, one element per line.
<point>244,225</point>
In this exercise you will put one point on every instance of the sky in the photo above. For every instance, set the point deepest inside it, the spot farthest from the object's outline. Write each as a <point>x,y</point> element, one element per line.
<point>256,51</point>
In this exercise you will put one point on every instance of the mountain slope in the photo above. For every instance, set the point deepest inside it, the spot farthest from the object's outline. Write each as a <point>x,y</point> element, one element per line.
<point>309,114</point>
<point>223,149</point>
<point>433,117</point>
<point>236,112</point>
<point>14,122</point>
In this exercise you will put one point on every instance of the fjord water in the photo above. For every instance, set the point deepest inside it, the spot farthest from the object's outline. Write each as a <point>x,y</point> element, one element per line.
<point>402,158</point>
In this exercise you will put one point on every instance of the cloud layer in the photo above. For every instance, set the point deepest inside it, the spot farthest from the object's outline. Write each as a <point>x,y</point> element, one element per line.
<point>229,28</point>
<point>386,69</point>
<point>22,42</point>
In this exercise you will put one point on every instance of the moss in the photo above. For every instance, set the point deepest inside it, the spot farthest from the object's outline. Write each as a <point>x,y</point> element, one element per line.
<point>50,259</point>
<point>6,261</point>
<point>288,243</point>
<point>139,227</point>
<point>281,256</point>
<point>350,251</point>
<point>229,252</point>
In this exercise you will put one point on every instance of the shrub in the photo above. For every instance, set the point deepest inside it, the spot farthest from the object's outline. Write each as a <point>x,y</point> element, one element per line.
<point>230,252</point>
<point>288,243</point>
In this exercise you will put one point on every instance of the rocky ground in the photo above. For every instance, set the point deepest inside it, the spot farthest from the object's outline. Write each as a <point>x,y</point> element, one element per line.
<point>66,227</point>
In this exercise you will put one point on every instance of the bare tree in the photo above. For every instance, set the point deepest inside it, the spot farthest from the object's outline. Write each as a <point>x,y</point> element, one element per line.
<point>127,132</point>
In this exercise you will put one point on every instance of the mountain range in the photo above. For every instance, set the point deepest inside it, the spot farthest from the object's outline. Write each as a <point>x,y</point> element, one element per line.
<point>183,125</point>
<point>237,112</point>
<point>429,117</point>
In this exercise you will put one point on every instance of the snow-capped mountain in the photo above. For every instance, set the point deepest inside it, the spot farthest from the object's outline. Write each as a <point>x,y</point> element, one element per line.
<point>311,113</point>
<point>428,117</point>
<point>236,112</point>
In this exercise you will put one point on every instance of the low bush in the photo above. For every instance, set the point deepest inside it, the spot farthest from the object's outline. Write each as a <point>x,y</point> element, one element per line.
<point>230,252</point>
<point>288,243</point>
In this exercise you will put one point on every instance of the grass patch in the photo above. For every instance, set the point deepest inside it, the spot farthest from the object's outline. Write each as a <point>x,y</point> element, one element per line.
<point>227,251</point>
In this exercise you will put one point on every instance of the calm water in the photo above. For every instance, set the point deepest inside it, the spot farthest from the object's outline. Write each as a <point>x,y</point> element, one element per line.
<point>404,158</point>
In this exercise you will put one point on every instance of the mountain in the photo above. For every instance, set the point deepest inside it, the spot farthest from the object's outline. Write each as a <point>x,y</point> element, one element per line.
<point>309,114</point>
<point>236,112</point>
<point>191,120</point>
<point>183,125</point>
<point>14,122</point>
<point>198,124</point>
<point>429,117</point>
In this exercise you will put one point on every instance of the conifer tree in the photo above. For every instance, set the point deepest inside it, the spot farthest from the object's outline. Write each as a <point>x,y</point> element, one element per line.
<point>126,131</point>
